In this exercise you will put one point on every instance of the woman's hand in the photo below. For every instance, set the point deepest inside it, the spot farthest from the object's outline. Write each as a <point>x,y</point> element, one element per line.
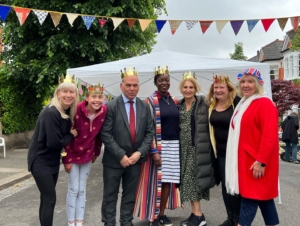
<point>68,167</point>
<point>258,170</point>
<point>74,132</point>
<point>156,159</point>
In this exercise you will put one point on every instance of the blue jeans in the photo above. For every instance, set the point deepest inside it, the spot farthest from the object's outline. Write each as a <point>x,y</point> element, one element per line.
<point>287,151</point>
<point>76,196</point>
<point>249,209</point>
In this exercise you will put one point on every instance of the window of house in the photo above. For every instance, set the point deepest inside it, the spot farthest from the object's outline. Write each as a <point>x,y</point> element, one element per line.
<point>292,67</point>
<point>274,71</point>
<point>299,65</point>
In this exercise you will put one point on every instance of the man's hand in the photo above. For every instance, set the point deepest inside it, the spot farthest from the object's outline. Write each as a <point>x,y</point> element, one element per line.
<point>258,170</point>
<point>94,158</point>
<point>125,161</point>
<point>135,157</point>
<point>156,159</point>
<point>68,167</point>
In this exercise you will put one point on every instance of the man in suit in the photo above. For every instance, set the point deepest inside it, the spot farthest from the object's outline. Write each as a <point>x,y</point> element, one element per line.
<point>127,133</point>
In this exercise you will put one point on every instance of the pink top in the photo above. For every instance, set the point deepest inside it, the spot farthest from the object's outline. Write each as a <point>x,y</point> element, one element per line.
<point>88,142</point>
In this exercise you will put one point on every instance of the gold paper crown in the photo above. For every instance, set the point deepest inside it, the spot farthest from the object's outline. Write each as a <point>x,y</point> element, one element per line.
<point>161,70</point>
<point>220,78</point>
<point>96,89</point>
<point>129,72</point>
<point>189,74</point>
<point>67,79</point>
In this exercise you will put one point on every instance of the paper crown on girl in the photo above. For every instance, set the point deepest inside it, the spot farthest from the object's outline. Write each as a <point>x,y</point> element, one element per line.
<point>96,89</point>
<point>251,71</point>
<point>129,72</point>
<point>220,78</point>
<point>189,74</point>
<point>161,70</point>
<point>62,79</point>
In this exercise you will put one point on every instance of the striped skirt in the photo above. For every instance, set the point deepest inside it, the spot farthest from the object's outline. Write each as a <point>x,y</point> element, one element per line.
<point>170,161</point>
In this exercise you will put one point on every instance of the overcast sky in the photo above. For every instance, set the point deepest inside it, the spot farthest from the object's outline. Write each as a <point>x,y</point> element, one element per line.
<point>220,45</point>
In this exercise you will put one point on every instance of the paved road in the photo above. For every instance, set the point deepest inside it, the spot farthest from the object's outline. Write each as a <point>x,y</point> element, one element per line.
<point>19,204</point>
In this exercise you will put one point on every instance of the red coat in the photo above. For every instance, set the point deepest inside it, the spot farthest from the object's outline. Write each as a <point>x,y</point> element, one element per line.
<point>88,142</point>
<point>259,141</point>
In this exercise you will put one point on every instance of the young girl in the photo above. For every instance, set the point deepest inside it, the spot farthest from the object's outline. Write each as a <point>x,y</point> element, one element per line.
<point>83,151</point>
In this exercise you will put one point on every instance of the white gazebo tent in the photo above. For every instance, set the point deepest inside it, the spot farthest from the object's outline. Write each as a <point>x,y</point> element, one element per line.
<point>178,63</point>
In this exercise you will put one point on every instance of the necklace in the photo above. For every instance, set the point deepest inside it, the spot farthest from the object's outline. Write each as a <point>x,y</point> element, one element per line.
<point>166,100</point>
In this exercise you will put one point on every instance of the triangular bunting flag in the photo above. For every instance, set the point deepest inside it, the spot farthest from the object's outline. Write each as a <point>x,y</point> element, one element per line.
<point>236,25</point>
<point>144,23</point>
<point>130,22</point>
<point>71,17</point>
<point>22,14</point>
<point>205,25</point>
<point>88,20</point>
<point>160,24</point>
<point>117,22</point>
<point>190,24</point>
<point>295,22</point>
<point>55,18</point>
<point>102,22</point>
<point>282,22</point>
<point>174,25</point>
<point>220,24</point>
<point>267,23</point>
<point>251,24</point>
<point>41,15</point>
<point>4,10</point>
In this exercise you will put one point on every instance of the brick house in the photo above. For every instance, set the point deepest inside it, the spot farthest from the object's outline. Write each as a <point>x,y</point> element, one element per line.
<point>271,54</point>
<point>284,64</point>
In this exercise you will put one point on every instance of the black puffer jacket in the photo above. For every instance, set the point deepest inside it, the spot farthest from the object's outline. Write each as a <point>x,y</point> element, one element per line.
<point>203,157</point>
<point>289,127</point>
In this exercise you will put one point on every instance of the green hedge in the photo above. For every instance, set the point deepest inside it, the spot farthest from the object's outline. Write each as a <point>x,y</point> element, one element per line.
<point>19,107</point>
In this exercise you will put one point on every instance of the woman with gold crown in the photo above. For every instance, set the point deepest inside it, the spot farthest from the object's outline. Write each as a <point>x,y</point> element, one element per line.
<point>197,174</point>
<point>83,151</point>
<point>52,133</point>
<point>222,100</point>
<point>161,173</point>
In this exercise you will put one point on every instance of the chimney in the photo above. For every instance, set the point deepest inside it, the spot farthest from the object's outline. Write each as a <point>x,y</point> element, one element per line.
<point>257,52</point>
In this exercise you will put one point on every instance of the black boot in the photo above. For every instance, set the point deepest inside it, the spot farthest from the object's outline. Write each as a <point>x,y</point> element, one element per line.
<point>228,222</point>
<point>236,221</point>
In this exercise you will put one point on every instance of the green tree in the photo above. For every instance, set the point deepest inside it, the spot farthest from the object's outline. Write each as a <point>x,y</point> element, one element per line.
<point>238,52</point>
<point>38,54</point>
<point>295,41</point>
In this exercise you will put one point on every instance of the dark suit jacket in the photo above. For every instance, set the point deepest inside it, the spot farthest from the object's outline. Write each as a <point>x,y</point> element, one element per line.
<point>115,133</point>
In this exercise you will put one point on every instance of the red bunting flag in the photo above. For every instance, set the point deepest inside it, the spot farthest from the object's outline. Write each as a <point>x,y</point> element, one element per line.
<point>267,23</point>
<point>102,22</point>
<point>205,25</point>
<point>22,14</point>
<point>130,22</point>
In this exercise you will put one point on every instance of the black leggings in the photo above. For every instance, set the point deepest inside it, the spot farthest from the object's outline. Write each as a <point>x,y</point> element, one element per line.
<point>232,202</point>
<point>46,186</point>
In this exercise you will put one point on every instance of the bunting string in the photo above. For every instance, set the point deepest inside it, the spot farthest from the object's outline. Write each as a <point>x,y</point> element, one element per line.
<point>22,14</point>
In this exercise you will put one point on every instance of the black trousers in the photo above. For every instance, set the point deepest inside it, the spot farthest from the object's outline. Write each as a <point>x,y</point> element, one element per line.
<point>112,178</point>
<point>46,186</point>
<point>232,202</point>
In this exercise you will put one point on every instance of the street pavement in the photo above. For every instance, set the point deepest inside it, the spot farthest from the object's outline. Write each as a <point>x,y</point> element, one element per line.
<point>19,197</point>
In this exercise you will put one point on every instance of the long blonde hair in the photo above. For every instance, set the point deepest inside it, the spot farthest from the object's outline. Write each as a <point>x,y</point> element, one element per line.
<point>212,100</point>
<point>56,103</point>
